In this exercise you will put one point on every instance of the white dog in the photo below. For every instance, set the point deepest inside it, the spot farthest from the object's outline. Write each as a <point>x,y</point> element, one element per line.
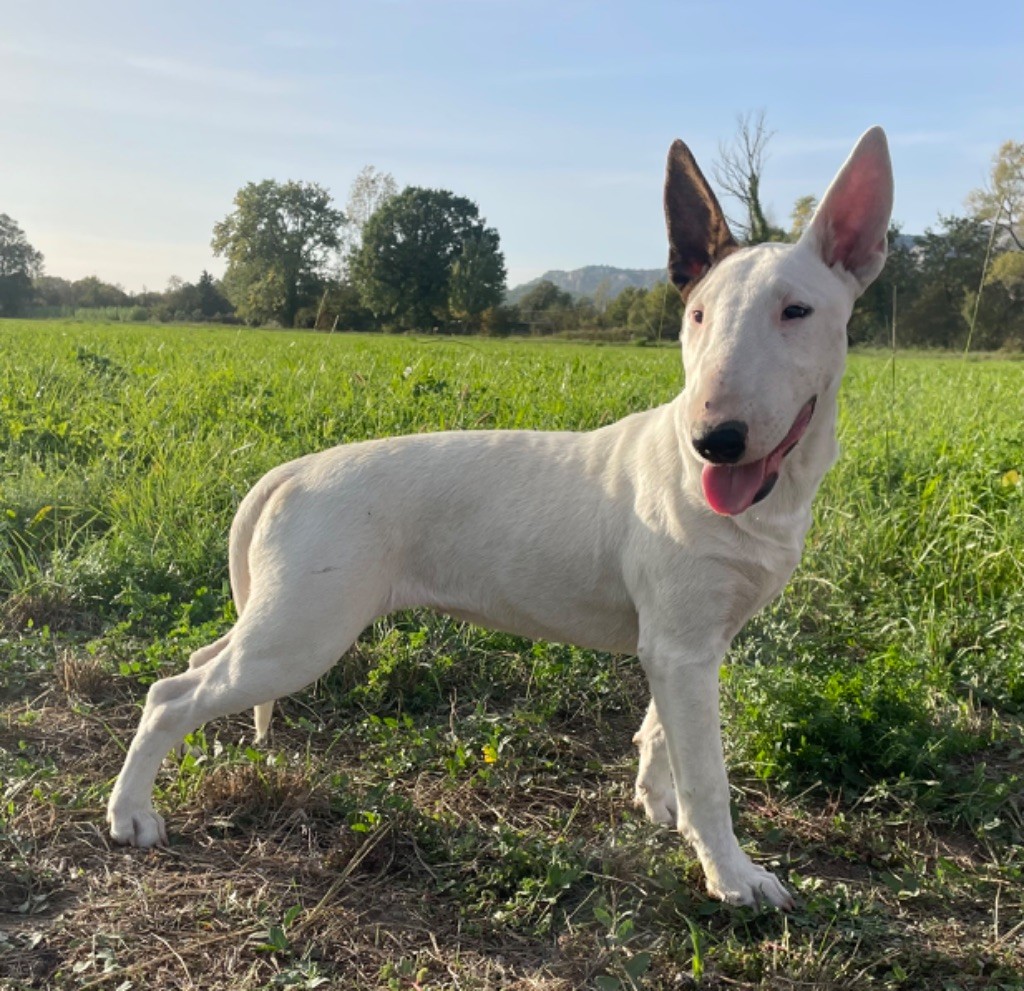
<point>659,535</point>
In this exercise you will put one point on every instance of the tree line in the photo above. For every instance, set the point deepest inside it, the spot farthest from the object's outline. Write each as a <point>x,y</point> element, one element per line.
<point>425,260</point>
<point>958,285</point>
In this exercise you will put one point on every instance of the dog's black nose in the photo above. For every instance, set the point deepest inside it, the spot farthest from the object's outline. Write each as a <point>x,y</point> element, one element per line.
<point>724,444</point>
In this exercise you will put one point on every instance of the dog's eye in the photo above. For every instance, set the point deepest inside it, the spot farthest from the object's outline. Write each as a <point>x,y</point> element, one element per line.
<point>796,312</point>
<point>697,316</point>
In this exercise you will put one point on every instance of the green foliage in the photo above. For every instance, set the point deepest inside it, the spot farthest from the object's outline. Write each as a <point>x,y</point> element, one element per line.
<point>279,241</point>
<point>656,314</point>
<point>1007,269</point>
<point>1001,200</point>
<point>340,308</point>
<point>637,314</point>
<point>426,258</point>
<point>477,278</point>
<point>845,726</point>
<point>203,300</point>
<point>546,309</point>
<point>93,299</point>
<point>543,296</point>
<point>933,283</point>
<point>92,293</point>
<point>19,262</point>
<point>803,210</point>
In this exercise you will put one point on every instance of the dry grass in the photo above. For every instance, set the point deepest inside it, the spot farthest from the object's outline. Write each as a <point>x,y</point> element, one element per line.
<point>250,842</point>
<point>267,884</point>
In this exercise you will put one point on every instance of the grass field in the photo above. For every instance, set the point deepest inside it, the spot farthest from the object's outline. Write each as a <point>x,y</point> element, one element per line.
<point>450,808</point>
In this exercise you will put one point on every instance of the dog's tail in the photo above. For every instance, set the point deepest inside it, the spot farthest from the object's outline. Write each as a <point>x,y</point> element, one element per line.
<point>242,529</point>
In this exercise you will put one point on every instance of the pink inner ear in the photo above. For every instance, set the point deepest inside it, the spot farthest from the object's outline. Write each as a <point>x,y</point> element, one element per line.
<point>844,246</point>
<point>696,269</point>
<point>853,218</point>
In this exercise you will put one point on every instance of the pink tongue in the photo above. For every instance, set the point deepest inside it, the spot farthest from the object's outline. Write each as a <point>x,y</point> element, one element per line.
<point>730,490</point>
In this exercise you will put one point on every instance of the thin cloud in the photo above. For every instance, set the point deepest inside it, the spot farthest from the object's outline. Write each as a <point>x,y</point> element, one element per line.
<point>296,41</point>
<point>795,146</point>
<point>215,77</point>
<point>569,73</point>
<point>914,139</point>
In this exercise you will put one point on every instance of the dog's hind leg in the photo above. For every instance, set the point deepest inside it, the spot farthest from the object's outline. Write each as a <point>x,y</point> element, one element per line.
<point>206,654</point>
<point>242,529</point>
<point>261,715</point>
<point>655,790</point>
<point>200,657</point>
<point>260,659</point>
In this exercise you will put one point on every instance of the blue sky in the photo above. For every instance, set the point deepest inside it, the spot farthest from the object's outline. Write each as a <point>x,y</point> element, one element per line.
<point>126,128</point>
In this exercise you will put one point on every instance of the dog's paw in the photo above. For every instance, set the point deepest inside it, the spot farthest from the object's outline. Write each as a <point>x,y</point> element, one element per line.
<point>142,828</point>
<point>749,884</point>
<point>659,804</point>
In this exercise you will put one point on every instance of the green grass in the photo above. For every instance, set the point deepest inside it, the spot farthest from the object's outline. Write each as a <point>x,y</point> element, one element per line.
<point>450,807</point>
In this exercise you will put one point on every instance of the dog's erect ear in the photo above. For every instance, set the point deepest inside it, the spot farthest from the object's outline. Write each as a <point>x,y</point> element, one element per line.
<point>698,235</point>
<point>850,225</point>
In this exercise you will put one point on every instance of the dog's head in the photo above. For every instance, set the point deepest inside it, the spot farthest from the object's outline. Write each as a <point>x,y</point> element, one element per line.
<point>764,327</point>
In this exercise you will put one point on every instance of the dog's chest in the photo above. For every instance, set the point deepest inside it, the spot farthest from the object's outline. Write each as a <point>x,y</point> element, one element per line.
<point>758,575</point>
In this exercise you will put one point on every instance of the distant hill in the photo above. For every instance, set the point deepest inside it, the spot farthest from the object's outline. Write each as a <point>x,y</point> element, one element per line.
<point>594,281</point>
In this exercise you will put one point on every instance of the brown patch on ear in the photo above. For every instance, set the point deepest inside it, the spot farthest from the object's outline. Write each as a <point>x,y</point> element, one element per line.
<point>698,235</point>
<point>699,272</point>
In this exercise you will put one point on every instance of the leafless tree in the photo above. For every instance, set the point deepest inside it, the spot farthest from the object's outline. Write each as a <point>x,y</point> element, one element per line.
<point>738,173</point>
<point>370,190</point>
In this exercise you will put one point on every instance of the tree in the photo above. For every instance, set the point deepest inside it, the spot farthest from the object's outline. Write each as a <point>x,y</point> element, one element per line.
<point>616,313</point>
<point>544,307</point>
<point>202,300</point>
<point>1001,201</point>
<point>279,242</point>
<point>477,277</point>
<point>545,295</point>
<point>371,189</point>
<point>51,290</point>
<point>738,172</point>
<point>212,301</point>
<point>500,321</point>
<point>1007,270</point>
<point>342,309</point>
<point>657,314</point>
<point>803,210</point>
<point>871,322</point>
<point>410,248</point>
<point>949,270</point>
<point>1000,206</point>
<point>92,292</point>
<point>19,264</point>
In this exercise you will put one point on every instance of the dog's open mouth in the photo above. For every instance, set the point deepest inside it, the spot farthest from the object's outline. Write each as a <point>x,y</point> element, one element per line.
<point>733,489</point>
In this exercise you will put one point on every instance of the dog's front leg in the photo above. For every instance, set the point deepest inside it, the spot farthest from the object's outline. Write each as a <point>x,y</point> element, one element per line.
<point>685,690</point>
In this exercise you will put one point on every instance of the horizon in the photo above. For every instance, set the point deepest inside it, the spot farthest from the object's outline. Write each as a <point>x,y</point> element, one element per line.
<point>129,133</point>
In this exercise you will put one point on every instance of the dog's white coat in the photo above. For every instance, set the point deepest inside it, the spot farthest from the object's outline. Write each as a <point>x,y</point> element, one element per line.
<point>601,539</point>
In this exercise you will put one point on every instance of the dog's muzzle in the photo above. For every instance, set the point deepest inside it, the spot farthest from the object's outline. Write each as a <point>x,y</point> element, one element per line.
<point>731,488</point>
